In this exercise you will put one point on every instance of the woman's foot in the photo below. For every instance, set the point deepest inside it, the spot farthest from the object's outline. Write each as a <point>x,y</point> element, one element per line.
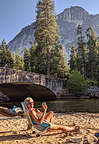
<point>76,129</point>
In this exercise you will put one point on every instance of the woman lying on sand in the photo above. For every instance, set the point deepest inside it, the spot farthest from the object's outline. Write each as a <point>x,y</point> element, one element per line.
<point>40,117</point>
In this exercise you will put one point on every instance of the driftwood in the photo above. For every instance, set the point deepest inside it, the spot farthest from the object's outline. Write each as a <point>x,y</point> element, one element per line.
<point>6,112</point>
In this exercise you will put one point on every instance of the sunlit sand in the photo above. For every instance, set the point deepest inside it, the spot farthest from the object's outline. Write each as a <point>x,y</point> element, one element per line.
<point>13,130</point>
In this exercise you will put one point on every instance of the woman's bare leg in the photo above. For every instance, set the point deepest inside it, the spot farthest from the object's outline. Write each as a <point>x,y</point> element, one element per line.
<point>49,116</point>
<point>54,127</point>
<point>62,128</point>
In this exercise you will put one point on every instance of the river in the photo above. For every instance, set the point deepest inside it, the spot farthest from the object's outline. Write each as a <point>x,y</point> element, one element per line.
<point>68,105</point>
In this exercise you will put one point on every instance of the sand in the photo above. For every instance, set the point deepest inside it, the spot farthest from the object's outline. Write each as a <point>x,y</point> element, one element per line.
<point>13,130</point>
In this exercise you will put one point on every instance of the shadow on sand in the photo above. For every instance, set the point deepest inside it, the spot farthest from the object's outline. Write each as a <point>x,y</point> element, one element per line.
<point>12,135</point>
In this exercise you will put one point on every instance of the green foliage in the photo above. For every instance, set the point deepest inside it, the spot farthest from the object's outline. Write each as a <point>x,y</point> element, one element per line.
<point>93,54</point>
<point>26,60</point>
<point>35,58</point>
<point>59,65</point>
<point>10,60</point>
<point>19,63</point>
<point>73,59</point>
<point>46,36</point>
<point>81,52</point>
<point>87,54</point>
<point>6,57</point>
<point>3,54</point>
<point>92,82</point>
<point>77,83</point>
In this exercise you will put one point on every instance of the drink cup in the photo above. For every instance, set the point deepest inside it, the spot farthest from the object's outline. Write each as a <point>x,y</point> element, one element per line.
<point>43,103</point>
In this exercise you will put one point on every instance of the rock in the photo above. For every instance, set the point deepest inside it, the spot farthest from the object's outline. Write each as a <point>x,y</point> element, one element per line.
<point>67,21</point>
<point>3,98</point>
<point>93,92</point>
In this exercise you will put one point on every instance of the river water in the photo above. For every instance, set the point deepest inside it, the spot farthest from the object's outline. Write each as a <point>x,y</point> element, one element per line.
<point>68,105</point>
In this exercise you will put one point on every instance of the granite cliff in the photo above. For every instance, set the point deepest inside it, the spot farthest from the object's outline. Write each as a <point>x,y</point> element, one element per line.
<point>67,21</point>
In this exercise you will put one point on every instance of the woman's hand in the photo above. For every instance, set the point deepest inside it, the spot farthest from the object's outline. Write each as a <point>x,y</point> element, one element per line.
<point>44,105</point>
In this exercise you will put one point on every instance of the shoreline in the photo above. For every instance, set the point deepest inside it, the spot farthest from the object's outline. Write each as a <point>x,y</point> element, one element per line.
<point>64,97</point>
<point>13,130</point>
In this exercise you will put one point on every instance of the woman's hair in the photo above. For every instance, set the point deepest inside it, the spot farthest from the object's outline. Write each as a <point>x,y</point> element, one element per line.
<point>28,100</point>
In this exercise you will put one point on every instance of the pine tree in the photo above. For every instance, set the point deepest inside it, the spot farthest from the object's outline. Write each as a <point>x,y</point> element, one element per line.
<point>45,34</point>
<point>19,63</point>
<point>6,56</point>
<point>97,63</point>
<point>26,60</point>
<point>93,46</point>
<point>3,54</point>
<point>10,60</point>
<point>73,59</point>
<point>64,68</point>
<point>79,50</point>
<point>84,59</point>
<point>59,65</point>
<point>34,58</point>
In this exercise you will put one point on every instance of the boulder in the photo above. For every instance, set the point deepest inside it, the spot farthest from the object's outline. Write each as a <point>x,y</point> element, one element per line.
<point>4,98</point>
<point>93,92</point>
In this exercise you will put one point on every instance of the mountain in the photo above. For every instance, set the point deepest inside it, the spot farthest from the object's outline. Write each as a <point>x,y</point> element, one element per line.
<point>67,21</point>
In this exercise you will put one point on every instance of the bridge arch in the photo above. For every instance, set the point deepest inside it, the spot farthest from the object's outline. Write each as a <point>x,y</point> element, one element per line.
<point>19,91</point>
<point>12,76</point>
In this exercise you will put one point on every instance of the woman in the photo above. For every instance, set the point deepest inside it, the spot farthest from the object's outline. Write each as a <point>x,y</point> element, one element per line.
<point>40,117</point>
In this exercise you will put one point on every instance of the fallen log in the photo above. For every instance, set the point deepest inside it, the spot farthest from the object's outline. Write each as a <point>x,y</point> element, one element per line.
<point>6,112</point>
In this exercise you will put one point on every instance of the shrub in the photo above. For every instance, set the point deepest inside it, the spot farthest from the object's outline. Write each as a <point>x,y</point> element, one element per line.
<point>77,83</point>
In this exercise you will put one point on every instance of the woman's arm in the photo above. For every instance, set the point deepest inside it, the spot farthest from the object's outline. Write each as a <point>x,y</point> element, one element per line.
<point>33,113</point>
<point>38,111</point>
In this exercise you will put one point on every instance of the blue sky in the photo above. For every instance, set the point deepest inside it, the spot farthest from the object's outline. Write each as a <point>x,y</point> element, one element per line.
<point>16,14</point>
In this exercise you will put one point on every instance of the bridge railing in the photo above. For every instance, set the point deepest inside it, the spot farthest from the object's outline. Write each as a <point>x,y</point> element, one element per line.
<point>8,75</point>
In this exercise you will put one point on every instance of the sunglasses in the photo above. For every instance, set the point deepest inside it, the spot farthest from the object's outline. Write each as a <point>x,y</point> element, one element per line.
<point>31,103</point>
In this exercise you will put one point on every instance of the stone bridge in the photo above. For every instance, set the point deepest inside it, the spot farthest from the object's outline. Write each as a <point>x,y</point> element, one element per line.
<point>10,78</point>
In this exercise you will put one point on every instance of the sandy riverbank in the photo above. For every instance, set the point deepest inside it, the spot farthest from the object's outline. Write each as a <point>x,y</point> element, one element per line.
<point>12,130</point>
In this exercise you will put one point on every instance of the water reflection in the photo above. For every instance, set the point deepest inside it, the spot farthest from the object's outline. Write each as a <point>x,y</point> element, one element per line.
<point>69,105</point>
